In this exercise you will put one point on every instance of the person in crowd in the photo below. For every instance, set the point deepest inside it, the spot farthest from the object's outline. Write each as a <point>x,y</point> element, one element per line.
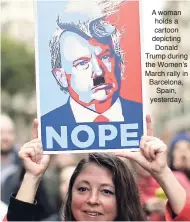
<point>148,186</point>
<point>12,170</point>
<point>64,179</point>
<point>44,209</point>
<point>9,153</point>
<point>52,176</point>
<point>179,153</point>
<point>152,196</point>
<point>102,187</point>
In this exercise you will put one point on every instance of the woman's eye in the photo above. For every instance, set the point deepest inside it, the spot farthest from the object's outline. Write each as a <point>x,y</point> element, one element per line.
<point>82,189</point>
<point>107,192</point>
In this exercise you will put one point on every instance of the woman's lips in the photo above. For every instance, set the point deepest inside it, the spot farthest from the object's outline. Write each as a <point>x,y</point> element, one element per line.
<point>93,214</point>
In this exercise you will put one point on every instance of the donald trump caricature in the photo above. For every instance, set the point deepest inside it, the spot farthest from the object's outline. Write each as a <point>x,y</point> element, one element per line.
<point>88,63</point>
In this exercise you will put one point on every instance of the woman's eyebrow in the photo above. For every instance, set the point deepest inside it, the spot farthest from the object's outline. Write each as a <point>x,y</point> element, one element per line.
<point>108,185</point>
<point>84,181</point>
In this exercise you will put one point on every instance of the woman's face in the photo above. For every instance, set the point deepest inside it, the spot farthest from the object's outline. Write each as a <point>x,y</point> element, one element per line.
<point>93,195</point>
<point>181,155</point>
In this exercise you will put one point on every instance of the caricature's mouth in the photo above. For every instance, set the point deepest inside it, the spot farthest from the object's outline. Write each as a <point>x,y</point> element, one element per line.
<point>102,86</point>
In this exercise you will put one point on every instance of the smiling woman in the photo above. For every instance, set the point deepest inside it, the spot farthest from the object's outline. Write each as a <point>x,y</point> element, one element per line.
<point>99,191</point>
<point>102,187</point>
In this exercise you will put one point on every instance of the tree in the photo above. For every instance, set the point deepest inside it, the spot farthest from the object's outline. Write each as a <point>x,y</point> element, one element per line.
<point>17,67</point>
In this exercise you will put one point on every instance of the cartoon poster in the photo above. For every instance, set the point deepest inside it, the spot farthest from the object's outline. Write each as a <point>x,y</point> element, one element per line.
<point>89,82</point>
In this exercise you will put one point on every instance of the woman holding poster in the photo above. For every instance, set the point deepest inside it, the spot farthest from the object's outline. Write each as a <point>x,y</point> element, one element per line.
<point>102,187</point>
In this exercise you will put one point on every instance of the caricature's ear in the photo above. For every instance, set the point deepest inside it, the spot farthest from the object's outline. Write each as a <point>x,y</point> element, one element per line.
<point>59,75</point>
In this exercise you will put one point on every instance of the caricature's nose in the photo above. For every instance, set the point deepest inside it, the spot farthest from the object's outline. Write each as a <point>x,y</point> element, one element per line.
<point>93,198</point>
<point>96,67</point>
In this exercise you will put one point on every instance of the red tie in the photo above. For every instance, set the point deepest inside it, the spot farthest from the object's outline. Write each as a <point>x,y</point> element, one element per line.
<point>101,118</point>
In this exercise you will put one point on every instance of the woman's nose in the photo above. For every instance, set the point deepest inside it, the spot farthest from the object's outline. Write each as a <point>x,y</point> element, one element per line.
<point>93,198</point>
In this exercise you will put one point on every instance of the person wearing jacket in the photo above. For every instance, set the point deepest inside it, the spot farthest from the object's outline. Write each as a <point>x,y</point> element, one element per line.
<point>102,187</point>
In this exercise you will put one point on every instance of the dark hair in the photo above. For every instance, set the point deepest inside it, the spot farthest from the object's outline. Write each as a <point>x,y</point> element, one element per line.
<point>128,203</point>
<point>181,136</point>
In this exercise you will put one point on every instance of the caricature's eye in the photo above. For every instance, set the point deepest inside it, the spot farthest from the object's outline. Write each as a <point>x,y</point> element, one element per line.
<point>82,65</point>
<point>105,57</point>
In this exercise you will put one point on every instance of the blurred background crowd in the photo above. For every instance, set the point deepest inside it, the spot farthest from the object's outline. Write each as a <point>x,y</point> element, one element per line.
<point>171,121</point>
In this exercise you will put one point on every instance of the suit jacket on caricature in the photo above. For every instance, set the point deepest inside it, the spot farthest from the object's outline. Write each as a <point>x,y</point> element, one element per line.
<point>63,115</point>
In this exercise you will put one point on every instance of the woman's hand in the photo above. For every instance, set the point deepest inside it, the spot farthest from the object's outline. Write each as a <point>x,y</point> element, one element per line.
<point>35,164</point>
<point>153,158</point>
<point>31,153</point>
<point>153,153</point>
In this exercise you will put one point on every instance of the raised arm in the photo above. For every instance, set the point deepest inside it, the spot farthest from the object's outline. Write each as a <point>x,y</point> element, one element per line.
<point>153,158</point>
<point>35,164</point>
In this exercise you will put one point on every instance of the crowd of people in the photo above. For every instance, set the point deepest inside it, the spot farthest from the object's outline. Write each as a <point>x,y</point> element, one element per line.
<point>54,193</point>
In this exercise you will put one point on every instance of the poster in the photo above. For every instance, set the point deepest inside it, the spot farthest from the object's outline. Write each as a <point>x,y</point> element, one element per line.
<point>89,81</point>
